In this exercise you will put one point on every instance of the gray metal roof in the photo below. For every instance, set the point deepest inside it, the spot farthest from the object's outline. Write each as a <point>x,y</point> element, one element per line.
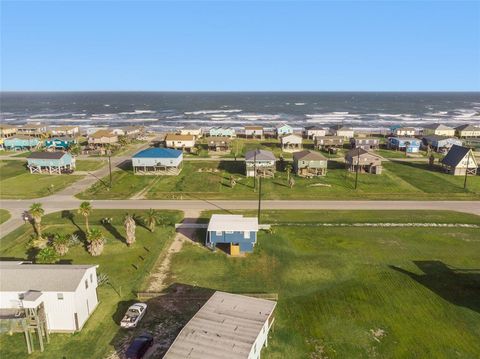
<point>47,155</point>
<point>308,155</point>
<point>456,154</point>
<point>225,327</point>
<point>41,277</point>
<point>467,127</point>
<point>260,155</point>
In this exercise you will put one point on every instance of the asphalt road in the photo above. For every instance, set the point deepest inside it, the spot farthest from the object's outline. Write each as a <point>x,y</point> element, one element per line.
<point>58,202</point>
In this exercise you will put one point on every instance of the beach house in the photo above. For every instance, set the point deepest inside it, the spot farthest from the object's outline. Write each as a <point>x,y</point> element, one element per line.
<point>62,131</point>
<point>222,132</point>
<point>407,144</point>
<point>440,143</point>
<point>342,131</point>
<point>180,142</point>
<point>365,143</point>
<point>254,132</point>
<point>50,162</point>
<point>192,131</point>
<point>219,144</point>
<point>239,233</point>
<point>467,131</point>
<point>328,142</point>
<point>363,161</point>
<point>229,326</point>
<point>310,132</point>
<point>309,164</point>
<point>61,295</point>
<point>30,129</point>
<point>20,142</point>
<point>404,132</point>
<point>7,131</point>
<point>439,130</point>
<point>260,163</point>
<point>460,160</point>
<point>102,138</point>
<point>283,129</point>
<point>291,143</point>
<point>59,143</point>
<point>157,161</point>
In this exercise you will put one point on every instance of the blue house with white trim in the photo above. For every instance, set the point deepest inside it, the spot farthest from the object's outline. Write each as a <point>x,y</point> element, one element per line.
<point>51,162</point>
<point>407,144</point>
<point>20,142</point>
<point>157,161</point>
<point>440,143</point>
<point>239,232</point>
<point>60,143</point>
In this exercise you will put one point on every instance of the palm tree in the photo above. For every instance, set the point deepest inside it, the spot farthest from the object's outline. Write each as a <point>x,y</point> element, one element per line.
<point>130,229</point>
<point>36,212</point>
<point>47,255</point>
<point>60,244</point>
<point>233,182</point>
<point>85,209</point>
<point>151,219</point>
<point>291,182</point>
<point>289,170</point>
<point>96,241</point>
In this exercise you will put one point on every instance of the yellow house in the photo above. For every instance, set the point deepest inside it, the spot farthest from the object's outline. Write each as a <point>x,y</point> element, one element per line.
<point>439,130</point>
<point>7,131</point>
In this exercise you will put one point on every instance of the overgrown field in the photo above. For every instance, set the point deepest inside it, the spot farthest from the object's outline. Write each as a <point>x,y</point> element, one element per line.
<point>211,180</point>
<point>16,181</point>
<point>358,292</point>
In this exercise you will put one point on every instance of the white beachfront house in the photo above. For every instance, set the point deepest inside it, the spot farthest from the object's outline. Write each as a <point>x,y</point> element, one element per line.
<point>314,131</point>
<point>67,293</point>
<point>227,326</point>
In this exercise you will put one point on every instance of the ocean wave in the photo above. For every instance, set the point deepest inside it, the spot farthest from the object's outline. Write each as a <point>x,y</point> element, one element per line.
<point>207,112</point>
<point>137,112</point>
<point>46,115</point>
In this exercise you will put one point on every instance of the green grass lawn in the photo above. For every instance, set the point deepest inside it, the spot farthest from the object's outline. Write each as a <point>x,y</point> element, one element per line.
<point>16,182</point>
<point>417,288</point>
<point>4,215</point>
<point>126,267</point>
<point>89,165</point>
<point>210,180</point>
<point>23,154</point>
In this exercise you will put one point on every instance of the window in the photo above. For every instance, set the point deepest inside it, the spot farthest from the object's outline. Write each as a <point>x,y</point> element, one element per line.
<point>218,233</point>
<point>246,234</point>
<point>86,284</point>
<point>60,296</point>
<point>229,232</point>
<point>91,278</point>
<point>21,296</point>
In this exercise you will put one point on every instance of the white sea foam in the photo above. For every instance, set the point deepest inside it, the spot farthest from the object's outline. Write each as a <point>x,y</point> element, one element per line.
<point>207,112</point>
<point>47,115</point>
<point>137,112</point>
<point>300,103</point>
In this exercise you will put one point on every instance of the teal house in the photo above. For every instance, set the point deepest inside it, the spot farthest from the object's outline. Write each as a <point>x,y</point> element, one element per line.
<point>222,132</point>
<point>20,142</point>
<point>283,129</point>
<point>60,143</point>
<point>51,162</point>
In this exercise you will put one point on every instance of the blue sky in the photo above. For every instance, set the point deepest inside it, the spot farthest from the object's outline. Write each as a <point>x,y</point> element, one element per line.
<point>240,46</point>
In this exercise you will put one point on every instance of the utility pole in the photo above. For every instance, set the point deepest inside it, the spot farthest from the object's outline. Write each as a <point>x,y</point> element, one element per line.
<point>110,166</point>
<point>255,171</point>
<point>358,168</point>
<point>466,171</point>
<point>259,196</point>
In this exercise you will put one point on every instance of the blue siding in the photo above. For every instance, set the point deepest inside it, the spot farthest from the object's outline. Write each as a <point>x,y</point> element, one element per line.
<point>65,160</point>
<point>246,244</point>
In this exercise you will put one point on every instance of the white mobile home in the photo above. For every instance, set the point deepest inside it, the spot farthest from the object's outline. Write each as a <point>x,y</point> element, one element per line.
<point>68,293</point>
<point>227,326</point>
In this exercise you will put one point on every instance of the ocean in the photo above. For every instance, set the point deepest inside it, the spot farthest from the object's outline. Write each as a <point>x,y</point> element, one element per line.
<point>163,111</point>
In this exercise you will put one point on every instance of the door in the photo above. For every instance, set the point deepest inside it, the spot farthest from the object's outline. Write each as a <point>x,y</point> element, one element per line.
<point>77,327</point>
<point>234,249</point>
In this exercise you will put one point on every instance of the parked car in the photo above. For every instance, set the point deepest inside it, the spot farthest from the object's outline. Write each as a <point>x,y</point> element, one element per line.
<point>133,315</point>
<point>139,347</point>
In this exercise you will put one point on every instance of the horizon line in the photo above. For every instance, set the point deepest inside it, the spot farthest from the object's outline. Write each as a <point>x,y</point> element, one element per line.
<point>246,91</point>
